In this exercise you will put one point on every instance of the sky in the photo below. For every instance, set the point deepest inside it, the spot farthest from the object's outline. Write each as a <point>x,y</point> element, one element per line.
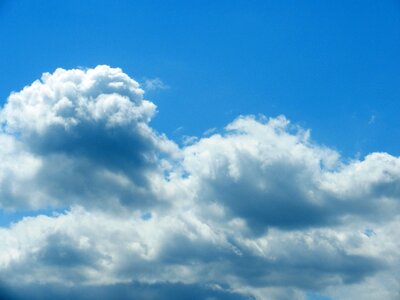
<point>199,149</point>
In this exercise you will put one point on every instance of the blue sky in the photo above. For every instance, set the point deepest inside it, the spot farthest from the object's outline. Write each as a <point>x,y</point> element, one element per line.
<point>331,66</point>
<point>208,186</point>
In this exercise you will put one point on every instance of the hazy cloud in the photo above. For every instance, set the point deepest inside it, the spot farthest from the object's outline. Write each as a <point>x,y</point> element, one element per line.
<point>154,84</point>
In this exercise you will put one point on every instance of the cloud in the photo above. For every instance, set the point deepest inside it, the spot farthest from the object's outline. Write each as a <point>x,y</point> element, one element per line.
<point>256,211</point>
<point>271,175</point>
<point>154,84</point>
<point>81,130</point>
<point>156,291</point>
<point>372,120</point>
<point>82,247</point>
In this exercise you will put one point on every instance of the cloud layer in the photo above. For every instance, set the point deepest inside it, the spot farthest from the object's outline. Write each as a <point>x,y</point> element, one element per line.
<point>258,211</point>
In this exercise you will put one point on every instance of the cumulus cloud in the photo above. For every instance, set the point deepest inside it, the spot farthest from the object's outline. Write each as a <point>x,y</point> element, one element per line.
<point>269,174</point>
<point>256,211</point>
<point>81,130</point>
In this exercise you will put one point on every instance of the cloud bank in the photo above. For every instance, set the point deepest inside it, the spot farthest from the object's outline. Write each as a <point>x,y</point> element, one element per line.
<point>259,211</point>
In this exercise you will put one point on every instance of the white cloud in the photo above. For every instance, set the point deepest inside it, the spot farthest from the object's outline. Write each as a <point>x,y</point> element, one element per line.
<point>88,132</point>
<point>258,209</point>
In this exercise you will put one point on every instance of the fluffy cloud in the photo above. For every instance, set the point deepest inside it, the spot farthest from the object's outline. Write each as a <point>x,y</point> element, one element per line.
<point>270,174</point>
<point>85,137</point>
<point>259,211</point>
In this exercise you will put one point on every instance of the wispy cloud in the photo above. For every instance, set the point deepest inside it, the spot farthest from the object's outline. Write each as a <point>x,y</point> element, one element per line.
<point>154,84</point>
<point>372,120</point>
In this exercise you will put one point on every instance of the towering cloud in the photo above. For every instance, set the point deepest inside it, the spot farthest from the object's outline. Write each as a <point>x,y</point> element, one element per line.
<point>85,137</point>
<point>257,211</point>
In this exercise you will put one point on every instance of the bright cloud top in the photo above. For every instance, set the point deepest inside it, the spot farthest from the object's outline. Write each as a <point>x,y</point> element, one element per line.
<point>257,211</point>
